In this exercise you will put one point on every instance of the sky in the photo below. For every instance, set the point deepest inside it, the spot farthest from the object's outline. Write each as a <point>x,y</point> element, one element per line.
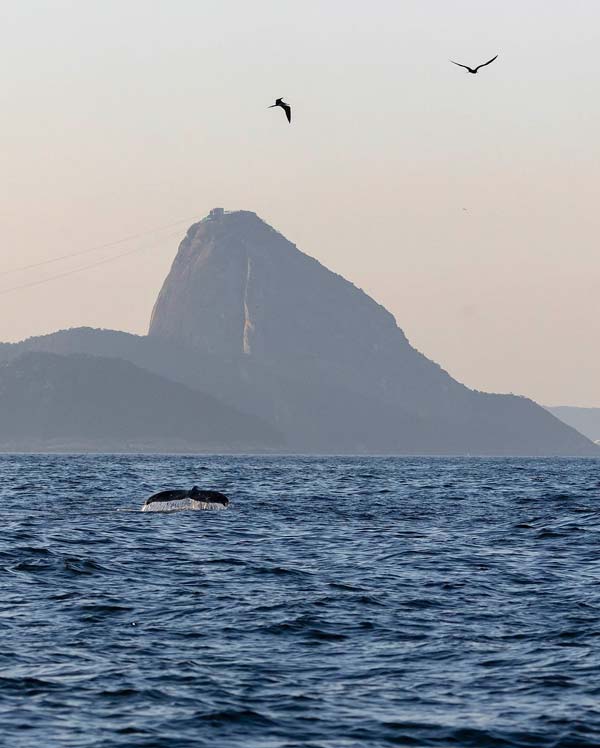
<point>466,205</point>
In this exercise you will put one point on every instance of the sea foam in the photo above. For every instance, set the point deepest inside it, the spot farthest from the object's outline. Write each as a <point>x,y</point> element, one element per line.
<point>181,505</point>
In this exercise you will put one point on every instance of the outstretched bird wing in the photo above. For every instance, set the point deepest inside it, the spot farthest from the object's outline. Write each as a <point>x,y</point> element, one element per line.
<point>466,67</point>
<point>485,63</point>
<point>288,111</point>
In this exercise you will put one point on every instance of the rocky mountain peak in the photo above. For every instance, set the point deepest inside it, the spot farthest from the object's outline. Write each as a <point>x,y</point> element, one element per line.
<point>237,286</point>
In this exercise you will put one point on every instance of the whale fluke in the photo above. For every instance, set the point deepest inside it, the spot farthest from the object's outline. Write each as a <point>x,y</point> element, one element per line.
<point>177,500</point>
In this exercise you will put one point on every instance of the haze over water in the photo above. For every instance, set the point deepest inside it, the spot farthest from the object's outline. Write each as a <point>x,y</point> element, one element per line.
<point>339,601</point>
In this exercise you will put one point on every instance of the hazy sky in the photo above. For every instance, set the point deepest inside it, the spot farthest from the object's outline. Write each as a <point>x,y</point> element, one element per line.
<point>122,116</point>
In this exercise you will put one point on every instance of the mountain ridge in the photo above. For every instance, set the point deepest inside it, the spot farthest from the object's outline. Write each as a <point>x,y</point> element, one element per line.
<point>80,401</point>
<point>585,420</point>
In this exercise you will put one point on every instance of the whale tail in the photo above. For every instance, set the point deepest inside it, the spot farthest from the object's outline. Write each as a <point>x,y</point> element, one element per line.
<point>177,501</point>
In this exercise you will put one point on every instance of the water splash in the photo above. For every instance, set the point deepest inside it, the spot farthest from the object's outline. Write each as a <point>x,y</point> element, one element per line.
<point>181,505</point>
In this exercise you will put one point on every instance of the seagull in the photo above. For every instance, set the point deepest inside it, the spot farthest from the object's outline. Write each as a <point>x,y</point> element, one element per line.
<point>474,70</point>
<point>286,108</point>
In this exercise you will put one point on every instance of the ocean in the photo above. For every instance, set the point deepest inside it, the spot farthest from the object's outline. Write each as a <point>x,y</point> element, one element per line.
<point>337,603</point>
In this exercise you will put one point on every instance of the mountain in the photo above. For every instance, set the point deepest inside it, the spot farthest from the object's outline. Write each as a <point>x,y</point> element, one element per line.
<point>247,318</point>
<point>327,363</point>
<point>50,401</point>
<point>585,420</point>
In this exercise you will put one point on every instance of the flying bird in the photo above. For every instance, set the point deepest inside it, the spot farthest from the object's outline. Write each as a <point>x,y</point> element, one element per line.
<point>286,108</point>
<point>474,70</point>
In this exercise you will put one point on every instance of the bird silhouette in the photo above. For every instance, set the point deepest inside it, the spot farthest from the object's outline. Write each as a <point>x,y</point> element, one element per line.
<point>286,108</point>
<point>474,70</point>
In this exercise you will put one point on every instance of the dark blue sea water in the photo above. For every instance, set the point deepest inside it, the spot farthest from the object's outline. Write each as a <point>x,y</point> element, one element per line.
<point>338,603</point>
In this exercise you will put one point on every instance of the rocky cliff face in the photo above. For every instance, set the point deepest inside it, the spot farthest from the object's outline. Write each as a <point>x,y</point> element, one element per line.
<point>238,288</point>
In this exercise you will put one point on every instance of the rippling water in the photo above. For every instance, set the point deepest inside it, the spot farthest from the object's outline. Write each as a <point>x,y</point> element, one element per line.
<point>338,602</point>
